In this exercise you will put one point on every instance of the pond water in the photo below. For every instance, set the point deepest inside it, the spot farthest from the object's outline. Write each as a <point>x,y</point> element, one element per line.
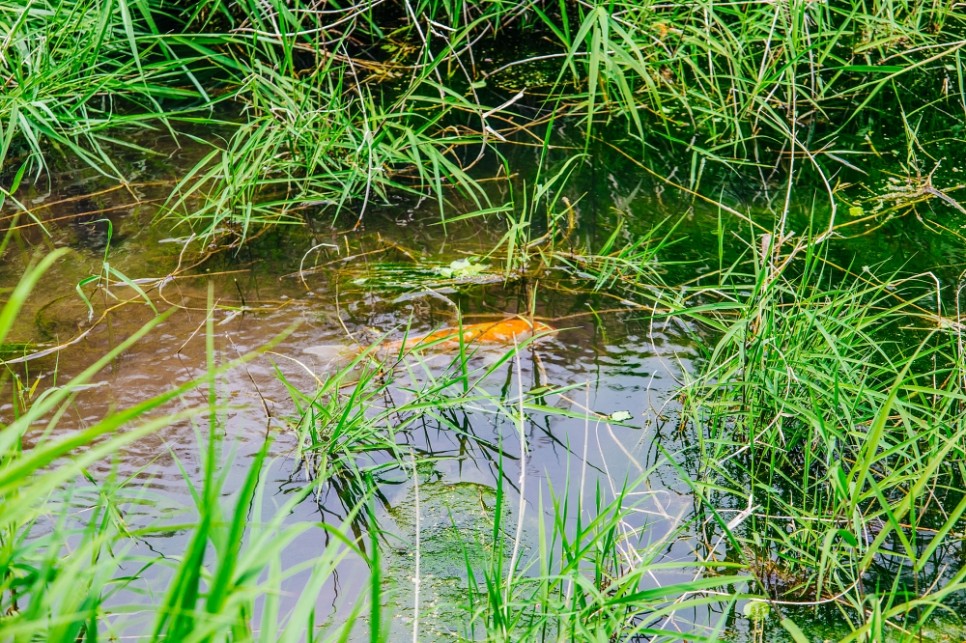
<point>319,296</point>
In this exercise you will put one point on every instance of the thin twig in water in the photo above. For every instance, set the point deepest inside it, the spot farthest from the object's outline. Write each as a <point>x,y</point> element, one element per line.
<point>416,572</point>
<point>521,425</point>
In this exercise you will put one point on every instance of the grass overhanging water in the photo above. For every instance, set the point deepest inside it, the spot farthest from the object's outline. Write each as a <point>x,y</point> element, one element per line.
<point>822,426</point>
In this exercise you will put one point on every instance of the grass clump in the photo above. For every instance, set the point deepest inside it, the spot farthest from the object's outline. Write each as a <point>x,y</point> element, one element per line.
<point>76,73</point>
<point>831,438</point>
<point>319,140</point>
<point>748,80</point>
<point>599,573</point>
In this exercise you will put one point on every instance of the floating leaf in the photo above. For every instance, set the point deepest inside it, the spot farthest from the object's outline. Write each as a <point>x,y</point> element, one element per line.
<point>461,269</point>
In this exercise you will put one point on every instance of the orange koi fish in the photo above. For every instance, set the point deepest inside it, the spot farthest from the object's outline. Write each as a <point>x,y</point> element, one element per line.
<point>496,333</point>
<point>503,332</point>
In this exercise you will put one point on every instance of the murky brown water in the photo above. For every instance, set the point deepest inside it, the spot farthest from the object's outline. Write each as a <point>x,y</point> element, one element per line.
<point>347,290</point>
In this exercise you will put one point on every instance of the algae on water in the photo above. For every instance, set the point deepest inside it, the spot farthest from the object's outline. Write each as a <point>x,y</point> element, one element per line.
<point>455,524</point>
